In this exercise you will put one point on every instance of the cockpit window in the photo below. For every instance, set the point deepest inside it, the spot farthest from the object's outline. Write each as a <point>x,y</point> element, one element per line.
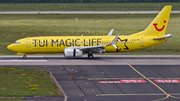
<point>17,42</point>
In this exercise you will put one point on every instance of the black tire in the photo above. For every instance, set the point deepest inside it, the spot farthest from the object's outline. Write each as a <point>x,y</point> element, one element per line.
<point>90,56</point>
<point>24,56</point>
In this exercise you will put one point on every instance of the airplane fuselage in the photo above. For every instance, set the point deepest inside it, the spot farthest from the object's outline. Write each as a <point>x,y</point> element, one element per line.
<point>57,44</point>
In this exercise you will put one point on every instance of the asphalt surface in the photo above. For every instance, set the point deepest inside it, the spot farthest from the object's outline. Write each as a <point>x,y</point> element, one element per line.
<point>85,85</point>
<point>84,12</point>
<point>85,82</point>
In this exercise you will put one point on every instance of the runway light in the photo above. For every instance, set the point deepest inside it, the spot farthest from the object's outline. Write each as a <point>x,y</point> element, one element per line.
<point>93,90</point>
<point>76,71</point>
<point>86,82</point>
<point>44,66</point>
<point>61,68</point>
<point>72,69</point>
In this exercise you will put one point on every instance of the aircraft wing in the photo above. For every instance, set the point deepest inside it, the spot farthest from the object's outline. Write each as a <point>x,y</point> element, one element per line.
<point>93,49</point>
<point>98,48</point>
<point>166,36</point>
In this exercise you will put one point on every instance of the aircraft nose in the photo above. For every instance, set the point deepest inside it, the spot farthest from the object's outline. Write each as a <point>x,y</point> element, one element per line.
<point>10,47</point>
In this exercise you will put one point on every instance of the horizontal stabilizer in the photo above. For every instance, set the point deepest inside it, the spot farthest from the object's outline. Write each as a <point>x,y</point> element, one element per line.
<point>166,36</point>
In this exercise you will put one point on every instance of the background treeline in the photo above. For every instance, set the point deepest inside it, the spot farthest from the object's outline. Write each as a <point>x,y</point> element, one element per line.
<point>86,1</point>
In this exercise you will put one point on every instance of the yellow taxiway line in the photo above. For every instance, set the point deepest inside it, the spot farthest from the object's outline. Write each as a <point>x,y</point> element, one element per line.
<point>167,95</point>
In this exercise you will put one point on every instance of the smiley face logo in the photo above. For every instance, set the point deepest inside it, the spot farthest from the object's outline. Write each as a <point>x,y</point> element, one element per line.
<point>159,29</point>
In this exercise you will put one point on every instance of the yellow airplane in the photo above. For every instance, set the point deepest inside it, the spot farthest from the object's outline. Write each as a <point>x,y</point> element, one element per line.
<point>76,46</point>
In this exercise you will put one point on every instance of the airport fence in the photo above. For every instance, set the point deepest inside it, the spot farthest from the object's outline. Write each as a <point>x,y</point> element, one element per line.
<point>87,1</point>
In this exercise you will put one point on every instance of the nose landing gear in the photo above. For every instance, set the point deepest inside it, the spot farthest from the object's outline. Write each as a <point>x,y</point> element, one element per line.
<point>90,56</point>
<point>24,57</point>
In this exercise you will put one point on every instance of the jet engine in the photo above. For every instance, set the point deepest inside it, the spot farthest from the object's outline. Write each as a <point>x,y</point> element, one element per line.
<point>71,52</point>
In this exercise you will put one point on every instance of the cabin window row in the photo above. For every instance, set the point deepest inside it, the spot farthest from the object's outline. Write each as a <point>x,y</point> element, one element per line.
<point>81,42</point>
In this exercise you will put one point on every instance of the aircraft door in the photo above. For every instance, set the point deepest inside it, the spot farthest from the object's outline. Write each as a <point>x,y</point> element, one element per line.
<point>142,42</point>
<point>28,43</point>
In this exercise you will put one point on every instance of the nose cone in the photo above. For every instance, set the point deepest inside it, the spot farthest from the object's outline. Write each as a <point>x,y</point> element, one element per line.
<point>10,47</point>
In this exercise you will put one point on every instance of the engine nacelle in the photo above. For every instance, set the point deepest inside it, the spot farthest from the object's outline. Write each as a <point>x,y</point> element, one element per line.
<point>70,52</point>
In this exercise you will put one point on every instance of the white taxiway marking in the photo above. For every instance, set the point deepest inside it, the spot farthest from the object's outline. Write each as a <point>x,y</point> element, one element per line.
<point>20,56</point>
<point>23,60</point>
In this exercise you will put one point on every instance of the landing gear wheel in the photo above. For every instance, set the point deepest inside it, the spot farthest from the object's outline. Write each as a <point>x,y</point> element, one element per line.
<point>90,56</point>
<point>24,56</point>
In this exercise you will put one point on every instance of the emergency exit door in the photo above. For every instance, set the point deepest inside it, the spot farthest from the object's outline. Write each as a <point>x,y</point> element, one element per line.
<point>28,43</point>
<point>142,42</point>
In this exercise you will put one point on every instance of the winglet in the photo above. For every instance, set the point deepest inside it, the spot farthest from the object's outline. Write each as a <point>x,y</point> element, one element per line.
<point>110,33</point>
<point>114,41</point>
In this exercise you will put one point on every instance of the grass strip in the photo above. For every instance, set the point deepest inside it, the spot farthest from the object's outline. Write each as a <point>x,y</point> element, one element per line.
<point>85,6</point>
<point>27,82</point>
<point>11,99</point>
